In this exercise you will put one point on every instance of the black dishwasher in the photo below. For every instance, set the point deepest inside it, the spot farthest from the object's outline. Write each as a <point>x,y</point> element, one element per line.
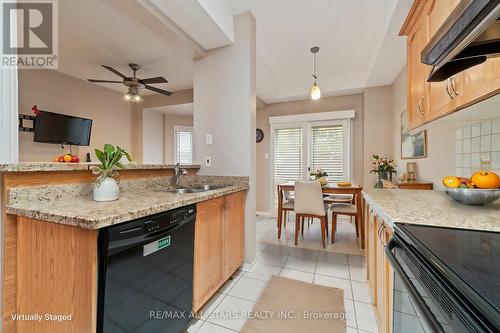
<point>146,274</point>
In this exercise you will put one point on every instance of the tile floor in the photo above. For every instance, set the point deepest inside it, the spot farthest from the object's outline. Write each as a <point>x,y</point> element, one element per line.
<point>307,263</point>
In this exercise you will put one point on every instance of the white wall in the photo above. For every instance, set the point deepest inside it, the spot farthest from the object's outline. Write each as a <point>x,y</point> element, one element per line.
<point>440,159</point>
<point>153,137</point>
<point>225,106</point>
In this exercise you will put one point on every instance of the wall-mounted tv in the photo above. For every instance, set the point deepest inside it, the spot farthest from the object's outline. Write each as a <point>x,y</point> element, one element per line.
<point>62,129</point>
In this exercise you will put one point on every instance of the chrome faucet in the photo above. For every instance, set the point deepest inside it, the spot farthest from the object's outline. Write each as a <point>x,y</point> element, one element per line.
<point>178,171</point>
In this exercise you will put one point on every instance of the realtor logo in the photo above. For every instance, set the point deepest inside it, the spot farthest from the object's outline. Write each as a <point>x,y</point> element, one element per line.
<point>29,34</point>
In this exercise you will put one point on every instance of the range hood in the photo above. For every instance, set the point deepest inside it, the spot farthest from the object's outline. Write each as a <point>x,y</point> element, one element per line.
<point>467,38</point>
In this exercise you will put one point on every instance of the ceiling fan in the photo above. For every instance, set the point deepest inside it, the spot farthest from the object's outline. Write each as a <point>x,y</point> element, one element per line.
<point>134,84</point>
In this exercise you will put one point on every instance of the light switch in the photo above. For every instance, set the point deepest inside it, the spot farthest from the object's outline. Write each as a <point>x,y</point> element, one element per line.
<point>266,156</point>
<point>208,161</point>
<point>208,139</point>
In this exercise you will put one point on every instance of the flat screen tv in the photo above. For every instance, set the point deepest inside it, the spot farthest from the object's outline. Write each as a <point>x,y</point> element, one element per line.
<point>62,129</point>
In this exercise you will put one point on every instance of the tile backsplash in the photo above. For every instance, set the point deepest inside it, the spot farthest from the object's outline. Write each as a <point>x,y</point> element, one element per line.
<point>478,147</point>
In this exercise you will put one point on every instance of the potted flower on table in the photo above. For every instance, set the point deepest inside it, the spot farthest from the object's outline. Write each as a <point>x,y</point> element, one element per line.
<point>321,176</point>
<point>384,168</point>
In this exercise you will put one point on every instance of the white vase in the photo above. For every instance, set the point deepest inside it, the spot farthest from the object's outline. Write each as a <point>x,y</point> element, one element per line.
<point>107,190</point>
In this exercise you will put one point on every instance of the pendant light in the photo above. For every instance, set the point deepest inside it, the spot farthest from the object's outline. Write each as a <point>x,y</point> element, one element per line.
<point>315,91</point>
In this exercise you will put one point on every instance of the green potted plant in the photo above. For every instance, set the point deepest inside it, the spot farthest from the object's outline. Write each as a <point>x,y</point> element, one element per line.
<point>105,187</point>
<point>384,168</point>
<point>321,176</point>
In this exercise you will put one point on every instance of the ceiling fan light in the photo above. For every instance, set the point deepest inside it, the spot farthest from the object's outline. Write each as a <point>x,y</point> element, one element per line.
<point>128,96</point>
<point>315,91</point>
<point>137,98</point>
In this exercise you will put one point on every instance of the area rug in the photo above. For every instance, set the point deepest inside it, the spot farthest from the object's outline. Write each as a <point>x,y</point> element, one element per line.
<point>292,306</point>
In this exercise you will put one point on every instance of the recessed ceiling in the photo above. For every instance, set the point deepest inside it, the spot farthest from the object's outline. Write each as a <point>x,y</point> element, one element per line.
<point>95,32</point>
<point>358,42</point>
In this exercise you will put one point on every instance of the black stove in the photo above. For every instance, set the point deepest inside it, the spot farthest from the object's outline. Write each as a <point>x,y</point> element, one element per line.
<point>452,278</point>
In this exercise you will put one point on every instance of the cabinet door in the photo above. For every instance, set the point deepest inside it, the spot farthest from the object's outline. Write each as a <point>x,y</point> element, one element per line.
<point>478,82</point>
<point>372,264</point>
<point>417,74</point>
<point>208,266</point>
<point>234,225</point>
<point>381,300</point>
<point>438,11</point>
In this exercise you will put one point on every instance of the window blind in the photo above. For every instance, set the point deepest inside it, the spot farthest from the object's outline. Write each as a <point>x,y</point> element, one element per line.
<point>184,146</point>
<point>327,151</point>
<point>288,151</point>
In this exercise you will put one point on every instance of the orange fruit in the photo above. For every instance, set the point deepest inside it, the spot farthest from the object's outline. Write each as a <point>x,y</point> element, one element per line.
<point>451,181</point>
<point>486,179</point>
<point>67,158</point>
<point>55,159</point>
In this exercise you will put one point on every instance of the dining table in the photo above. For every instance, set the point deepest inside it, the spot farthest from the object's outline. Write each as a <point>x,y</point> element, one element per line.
<point>330,188</point>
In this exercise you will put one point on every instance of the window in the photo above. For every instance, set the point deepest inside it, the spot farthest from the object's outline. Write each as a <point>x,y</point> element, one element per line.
<point>327,151</point>
<point>183,143</point>
<point>288,146</point>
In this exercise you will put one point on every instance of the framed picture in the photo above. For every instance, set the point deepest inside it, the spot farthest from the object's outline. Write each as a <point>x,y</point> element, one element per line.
<point>412,145</point>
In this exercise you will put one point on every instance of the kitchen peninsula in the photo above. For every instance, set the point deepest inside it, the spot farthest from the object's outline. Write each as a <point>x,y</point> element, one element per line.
<point>52,225</point>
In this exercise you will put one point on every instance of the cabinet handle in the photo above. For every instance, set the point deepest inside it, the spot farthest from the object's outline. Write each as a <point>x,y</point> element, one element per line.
<point>452,81</point>
<point>419,107</point>
<point>448,89</point>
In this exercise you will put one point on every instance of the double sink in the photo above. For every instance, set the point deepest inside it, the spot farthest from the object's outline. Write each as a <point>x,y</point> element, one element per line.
<point>193,189</point>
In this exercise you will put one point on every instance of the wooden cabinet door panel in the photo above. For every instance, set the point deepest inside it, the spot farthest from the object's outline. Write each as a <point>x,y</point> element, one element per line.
<point>208,265</point>
<point>479,82</point>
<point>234,225</point>
<point>417,74</point>
<point>438,11</point>
<point>381,303</point>
<point>372,264</point>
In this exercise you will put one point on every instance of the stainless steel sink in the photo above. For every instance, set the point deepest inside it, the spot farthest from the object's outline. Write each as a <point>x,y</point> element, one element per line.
<point>206,187</point>
<point>194,189</point>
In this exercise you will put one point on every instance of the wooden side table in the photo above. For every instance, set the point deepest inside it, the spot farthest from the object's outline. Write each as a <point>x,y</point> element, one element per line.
<point>416,185</point>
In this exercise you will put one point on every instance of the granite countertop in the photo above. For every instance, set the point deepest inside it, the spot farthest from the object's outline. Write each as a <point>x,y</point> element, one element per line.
<point>56,166</point>
<point>83,212</point>
<point>433,208</point>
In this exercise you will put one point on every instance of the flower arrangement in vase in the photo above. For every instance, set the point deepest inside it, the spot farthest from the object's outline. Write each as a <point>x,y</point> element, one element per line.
<point>321,176</point>
<point>384,168</point>
<point>105,187</point>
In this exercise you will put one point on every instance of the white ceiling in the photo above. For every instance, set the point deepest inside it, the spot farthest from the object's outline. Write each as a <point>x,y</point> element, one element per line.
<point>358,42</point>
<point>95,32</point>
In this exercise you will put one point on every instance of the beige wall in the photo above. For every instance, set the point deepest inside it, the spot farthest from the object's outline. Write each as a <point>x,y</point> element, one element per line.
<point>377,128</point>
<point>350,102</point>
<point>60,93</point>
<point>172,120</point>
<point>153,134</point>
<point>440,159</point>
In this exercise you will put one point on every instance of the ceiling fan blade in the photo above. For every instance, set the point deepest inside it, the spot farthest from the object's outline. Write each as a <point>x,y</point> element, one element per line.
<point>158,79</point>
<point>160,91</point>
<point>104,81</point>
<point>111,69</point>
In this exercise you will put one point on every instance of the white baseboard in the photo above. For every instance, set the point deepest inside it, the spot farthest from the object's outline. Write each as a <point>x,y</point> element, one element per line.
<point>263,213</point>
<point>249,267</point>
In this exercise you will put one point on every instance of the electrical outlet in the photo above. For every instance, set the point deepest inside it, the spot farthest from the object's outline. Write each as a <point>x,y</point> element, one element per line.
<point>208,139</point>
<point>208,161</point>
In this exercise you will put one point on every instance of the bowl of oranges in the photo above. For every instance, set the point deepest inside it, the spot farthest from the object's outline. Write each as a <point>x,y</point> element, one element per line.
<point>480,189</point>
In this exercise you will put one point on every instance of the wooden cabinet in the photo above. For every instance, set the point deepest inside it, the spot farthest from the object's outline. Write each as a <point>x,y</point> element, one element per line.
<point>208,249</point>
<point>428,101</point>
<point>417,74</point>
<point>218,248</point>
<point>233,232</point>
<point>380,273</point>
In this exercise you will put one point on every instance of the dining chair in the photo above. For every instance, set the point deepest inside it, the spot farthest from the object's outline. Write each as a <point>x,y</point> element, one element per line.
<point>286,206</point>
<point>350,210</point>
<point>309,203</point>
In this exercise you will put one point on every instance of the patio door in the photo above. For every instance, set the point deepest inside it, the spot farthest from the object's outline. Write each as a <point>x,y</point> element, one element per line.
<point>297,149</point>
